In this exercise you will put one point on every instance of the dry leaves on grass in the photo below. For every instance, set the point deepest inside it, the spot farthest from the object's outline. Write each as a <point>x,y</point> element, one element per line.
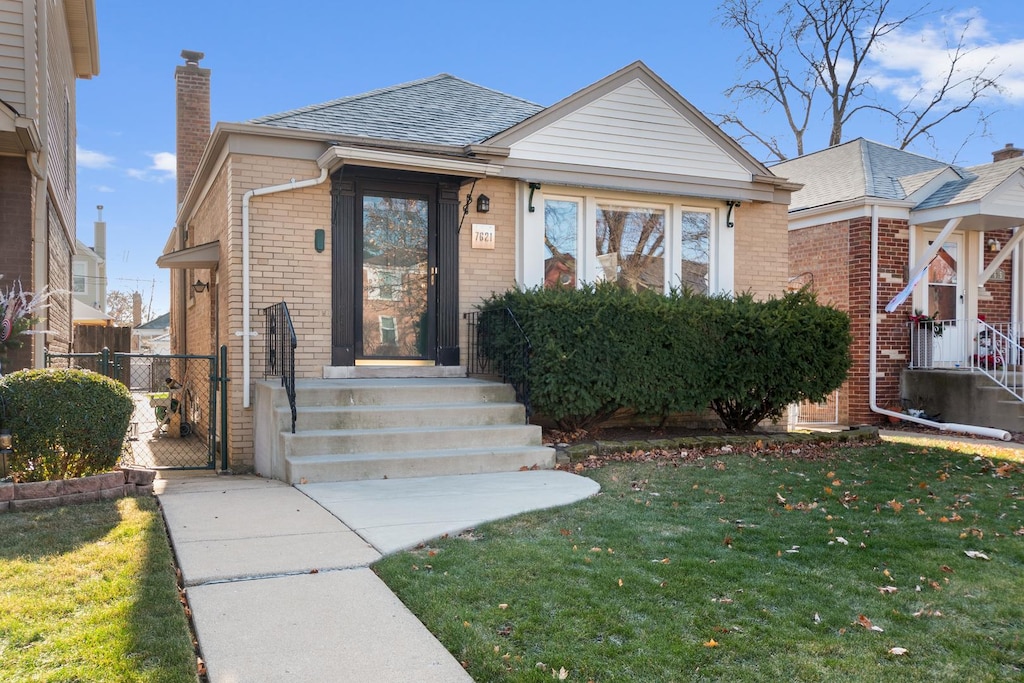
<point>866,623</point>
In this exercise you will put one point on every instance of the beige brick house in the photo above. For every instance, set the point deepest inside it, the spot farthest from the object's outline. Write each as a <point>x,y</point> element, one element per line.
<point>940,240</point>
<point>382,218</point>
<point>45,46</point>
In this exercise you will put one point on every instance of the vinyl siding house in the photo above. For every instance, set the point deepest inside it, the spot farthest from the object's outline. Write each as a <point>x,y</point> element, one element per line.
<point>45,46</point>
<point>941,240</point>
<point>383,219</point>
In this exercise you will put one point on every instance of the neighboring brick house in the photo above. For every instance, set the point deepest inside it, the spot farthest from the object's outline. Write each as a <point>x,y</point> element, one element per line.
<point>434,194</point>
<point>972,271</point>
<point>46,45</point>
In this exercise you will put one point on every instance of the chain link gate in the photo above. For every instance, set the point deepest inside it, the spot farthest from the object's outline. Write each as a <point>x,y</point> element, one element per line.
<point>176,417</point>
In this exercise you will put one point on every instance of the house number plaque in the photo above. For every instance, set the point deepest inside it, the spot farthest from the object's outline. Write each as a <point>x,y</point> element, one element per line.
<point>483,236</point>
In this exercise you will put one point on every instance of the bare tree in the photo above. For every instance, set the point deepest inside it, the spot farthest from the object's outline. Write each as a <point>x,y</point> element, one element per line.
<point>814,54</point>
<point>120,307</point>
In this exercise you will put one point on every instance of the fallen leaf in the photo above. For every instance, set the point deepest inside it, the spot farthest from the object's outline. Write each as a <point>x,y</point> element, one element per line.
<point>562,673</point>
<point>840,539</point>
<point>817,618</point>
<point>887,590</point>
<point>503,605</point>
<point>303,480</point>
<point>711,643</point>
<point>620,583</point>
<point>976,555</point>
<point>895,505</point>
<point>779,499</point>
<point>898,651</point>
<point>946,568</point>
<point>866,623</point>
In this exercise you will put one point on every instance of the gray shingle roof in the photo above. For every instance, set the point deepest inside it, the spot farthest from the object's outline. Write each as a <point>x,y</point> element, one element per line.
<point>978,181</point>
<point>859,168</point>
<point>441,109</point>
<point>158,323</point>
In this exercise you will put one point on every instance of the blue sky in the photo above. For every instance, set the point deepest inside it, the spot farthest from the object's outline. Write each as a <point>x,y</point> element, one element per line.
<point>267,57</point>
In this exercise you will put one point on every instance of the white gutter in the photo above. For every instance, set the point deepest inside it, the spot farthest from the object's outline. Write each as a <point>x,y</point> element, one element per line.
<point>987,432</point>
<point>246,332</point>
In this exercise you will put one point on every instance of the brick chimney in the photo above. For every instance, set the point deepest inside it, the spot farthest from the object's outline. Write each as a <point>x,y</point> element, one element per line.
<point>1008,152</point>
<point>193,109</point>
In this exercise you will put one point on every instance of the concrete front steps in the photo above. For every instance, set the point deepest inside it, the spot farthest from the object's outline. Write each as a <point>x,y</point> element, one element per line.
<point>393,427</point>
<point>966,397</point>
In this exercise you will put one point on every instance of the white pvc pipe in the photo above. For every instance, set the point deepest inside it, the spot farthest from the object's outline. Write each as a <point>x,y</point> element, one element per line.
<point>987,432</point>
<point>246,332</point>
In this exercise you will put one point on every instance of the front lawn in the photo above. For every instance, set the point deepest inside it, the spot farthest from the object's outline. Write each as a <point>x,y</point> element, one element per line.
<point>901,561</point>
<point>87,593</point>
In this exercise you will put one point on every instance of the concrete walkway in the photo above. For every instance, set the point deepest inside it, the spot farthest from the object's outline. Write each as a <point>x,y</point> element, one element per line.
<point>277,577</point>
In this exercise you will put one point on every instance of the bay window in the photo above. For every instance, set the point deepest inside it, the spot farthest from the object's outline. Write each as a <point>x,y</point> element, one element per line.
<point>639,242</point>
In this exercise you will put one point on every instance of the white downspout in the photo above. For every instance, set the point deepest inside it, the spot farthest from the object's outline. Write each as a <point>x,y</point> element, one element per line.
<point>246,333</point>
<point>1015,299</point>
<point>987,432</point>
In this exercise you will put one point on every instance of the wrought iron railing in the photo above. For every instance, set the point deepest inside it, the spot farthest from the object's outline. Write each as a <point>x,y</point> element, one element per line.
<point>499,346</point>
<point>280,351</point>
<point>992,349</point>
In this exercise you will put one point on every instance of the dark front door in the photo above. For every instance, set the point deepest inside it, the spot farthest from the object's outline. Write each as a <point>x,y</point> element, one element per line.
<point>396,273</point>
<point>395,280</point>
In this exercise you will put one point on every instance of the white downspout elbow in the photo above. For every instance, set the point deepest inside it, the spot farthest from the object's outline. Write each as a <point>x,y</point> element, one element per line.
<point>987,432</point>
<point>246,332</point>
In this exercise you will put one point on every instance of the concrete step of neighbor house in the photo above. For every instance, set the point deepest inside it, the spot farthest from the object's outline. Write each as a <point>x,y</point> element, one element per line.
<point>395,427</point>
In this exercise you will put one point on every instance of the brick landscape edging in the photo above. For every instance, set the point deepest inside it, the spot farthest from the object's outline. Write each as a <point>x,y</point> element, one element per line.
<point>582,451</point>
<point>40,495</point>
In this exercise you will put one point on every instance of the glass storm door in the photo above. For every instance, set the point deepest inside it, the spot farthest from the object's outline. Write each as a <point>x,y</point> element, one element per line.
<point>395,277</point>
<point>946,300</point>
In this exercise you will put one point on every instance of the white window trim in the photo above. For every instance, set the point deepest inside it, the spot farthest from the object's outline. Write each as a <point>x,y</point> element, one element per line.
<point>530,238</point>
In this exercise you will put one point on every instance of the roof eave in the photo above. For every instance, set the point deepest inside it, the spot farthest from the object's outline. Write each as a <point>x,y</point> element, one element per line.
<point>84,38</point>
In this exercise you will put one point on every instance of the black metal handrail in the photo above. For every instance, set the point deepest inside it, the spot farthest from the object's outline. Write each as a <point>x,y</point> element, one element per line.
<point>280,351</point>
<point>498,345</point>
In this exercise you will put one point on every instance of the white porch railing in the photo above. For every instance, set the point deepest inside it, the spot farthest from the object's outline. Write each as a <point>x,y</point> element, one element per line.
<point>991,349</point>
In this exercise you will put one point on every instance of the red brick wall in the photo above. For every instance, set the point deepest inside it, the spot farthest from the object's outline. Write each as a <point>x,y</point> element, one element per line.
<point>994,299</point>
<point>838,258</point>
<point>813,261</point>
<point>893,335</point>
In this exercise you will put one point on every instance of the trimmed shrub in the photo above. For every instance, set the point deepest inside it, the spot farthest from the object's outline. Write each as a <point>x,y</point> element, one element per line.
<point>66,423</point>
<point>769,354</point>
<point>602,348</point>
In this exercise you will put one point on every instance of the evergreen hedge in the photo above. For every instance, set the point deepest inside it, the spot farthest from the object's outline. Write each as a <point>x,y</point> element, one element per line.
<point>66,423</point>
<point>602,348</point>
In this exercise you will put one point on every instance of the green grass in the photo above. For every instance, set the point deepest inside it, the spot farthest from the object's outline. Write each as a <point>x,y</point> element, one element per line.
<point>87,593</point>
<point>680,572</point>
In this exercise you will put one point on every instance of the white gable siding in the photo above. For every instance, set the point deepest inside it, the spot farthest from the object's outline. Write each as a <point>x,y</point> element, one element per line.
<point>1008,198</point>
<point>12,54</point>
<point>633,129</point>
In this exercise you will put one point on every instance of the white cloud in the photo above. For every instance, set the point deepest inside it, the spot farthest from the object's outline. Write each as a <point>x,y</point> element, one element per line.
<point>909,61</point>
<point>90,159</point>
<point>164,167</point>
<point>104,188</point>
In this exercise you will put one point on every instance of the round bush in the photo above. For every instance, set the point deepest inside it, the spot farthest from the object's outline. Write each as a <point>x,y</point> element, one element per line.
<point>66,423</point>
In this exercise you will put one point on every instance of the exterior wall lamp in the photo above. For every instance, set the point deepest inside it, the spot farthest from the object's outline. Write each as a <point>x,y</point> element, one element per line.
<point>483,203</point>
<point>199,287</point>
